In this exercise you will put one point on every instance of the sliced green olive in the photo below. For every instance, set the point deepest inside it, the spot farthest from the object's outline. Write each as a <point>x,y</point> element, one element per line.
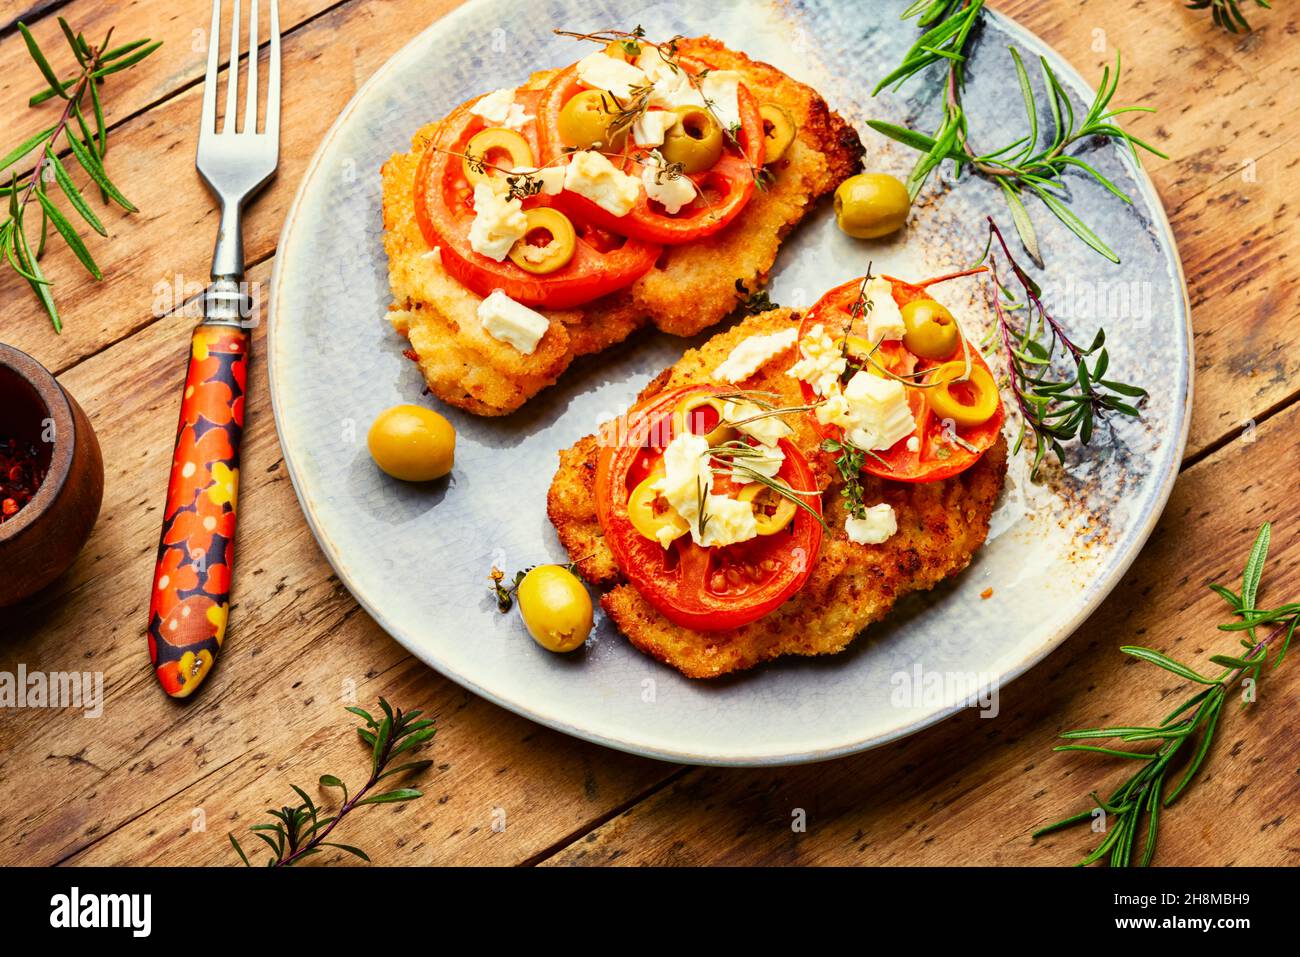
<point>779,131</point>
<point>970,401</point>
<point>495,147</point>
<point>651,515</point>
<point>695,140</point>
<point>549,243</point>
<point>931,330</point>
<point>871,205</point>
<point>702,414</point>
<point>584,120</point>
<point>555,607</point>
<point>772,511</point>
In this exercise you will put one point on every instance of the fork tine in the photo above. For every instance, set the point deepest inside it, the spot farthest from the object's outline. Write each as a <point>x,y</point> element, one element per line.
<point>250,99</point>
<point>232,76</point>
<point>208,119</point>
<point>272,127</point>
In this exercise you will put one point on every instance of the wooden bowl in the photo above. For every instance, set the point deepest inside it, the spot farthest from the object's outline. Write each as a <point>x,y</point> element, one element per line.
<point>39,543</point>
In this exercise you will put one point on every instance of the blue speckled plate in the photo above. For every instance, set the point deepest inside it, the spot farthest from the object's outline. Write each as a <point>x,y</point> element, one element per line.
<point>417,559</point>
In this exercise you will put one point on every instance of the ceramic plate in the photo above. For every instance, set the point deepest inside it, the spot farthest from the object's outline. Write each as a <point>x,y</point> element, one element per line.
<point>417,558</point>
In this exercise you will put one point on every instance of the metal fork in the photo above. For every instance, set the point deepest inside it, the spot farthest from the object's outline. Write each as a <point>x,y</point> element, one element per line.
<point>190,605</point>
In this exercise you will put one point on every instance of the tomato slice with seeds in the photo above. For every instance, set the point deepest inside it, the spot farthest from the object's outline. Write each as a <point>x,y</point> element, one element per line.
<point>602,262</point>
<point>722,190</point>
<point>706,589</point>
<point>937,455</point>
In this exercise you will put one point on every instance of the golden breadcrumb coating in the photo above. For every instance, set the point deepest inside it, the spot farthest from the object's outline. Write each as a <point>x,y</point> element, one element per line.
<point>691,287</point>
<point>940,525</point>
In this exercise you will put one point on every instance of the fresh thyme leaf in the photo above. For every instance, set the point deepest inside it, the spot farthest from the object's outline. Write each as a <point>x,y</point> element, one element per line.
<point>93,63</point>
<point>849,459</point>
<point>299,830</point>
<point>1190,728</point>
<point>752,303</point>
<point>505,594</point>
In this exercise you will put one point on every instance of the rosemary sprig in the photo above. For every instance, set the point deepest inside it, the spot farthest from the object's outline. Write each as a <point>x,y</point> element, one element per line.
<point>1188,732</point>
<point>94,63</point>
<point>1054,407</point>
<point>733,454</point>
<point>299,830</point>
<point>1026,166</point>
<point>1227,14</point>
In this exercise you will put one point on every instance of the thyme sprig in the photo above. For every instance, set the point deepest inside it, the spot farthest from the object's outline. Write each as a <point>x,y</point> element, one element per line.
<point>752,303</point>
<point>1030,165</point>
<point>1227,14</point>
<point>94,64</point>
<point>1186,733</point>
<point>639,97</point>
<point>299,830</point>
<point>1054,407</point>
<point>505,593</point>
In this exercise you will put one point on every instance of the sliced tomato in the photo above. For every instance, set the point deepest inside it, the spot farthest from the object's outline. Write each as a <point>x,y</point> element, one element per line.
<point>602,263</point>
<point>937,456</point>
<point>722,190</point>
<point>706,589</point>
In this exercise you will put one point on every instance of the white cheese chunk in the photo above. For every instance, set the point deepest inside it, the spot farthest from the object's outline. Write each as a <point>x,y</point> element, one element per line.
<point>720,88</point>
<point>670,192</point>
<point>769,429</point>
<point>877,526</point>
<point>500,109</point>
<point>821,363</point>
<point>884,320</point>
<point>591,175</point>
<point>688,481</point>
<point>671,87</point>
<point>727,521</point>
<point>834,410</point>
<point>752,353</point>
<point>512,322</point>
<point>498,223</point>
<point>879,415</point>
<point>649,128</point>
<point>552,177</point>
<point>600,71</point>
<point>767,462</point>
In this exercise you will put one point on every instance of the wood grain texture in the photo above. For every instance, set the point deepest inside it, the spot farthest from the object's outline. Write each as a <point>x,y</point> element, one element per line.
<point>132,786</point>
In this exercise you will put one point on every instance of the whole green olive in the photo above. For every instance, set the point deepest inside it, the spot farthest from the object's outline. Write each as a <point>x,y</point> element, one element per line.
<point>584,120</point>
<point>555,607</point>
<point>695,140</point>
<point>931,330</point>
<point>871,205</point>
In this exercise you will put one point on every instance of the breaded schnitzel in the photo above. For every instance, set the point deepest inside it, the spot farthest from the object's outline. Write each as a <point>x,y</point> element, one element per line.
<point>940,525</point>
<point>691,287</point>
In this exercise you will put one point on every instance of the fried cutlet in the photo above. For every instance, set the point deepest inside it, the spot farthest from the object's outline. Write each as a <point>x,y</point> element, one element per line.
<point>690,288</point>
<point>940,525</point>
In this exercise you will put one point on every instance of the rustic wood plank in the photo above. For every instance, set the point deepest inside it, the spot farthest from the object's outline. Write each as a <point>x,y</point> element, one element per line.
<point>272,712</point>
<point>170,239</point>
<point>970,791</point>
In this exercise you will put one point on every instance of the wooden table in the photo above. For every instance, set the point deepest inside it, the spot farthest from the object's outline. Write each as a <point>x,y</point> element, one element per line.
<point>153,781</point>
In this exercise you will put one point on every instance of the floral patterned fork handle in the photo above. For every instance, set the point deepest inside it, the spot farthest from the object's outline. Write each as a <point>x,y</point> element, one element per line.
<point>190,603</point>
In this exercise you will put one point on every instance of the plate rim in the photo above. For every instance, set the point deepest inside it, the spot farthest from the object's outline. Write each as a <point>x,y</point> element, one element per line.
<point>1118,568</point>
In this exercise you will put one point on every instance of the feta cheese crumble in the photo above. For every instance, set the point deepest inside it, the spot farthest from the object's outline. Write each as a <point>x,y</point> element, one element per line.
<point>752,353</point>
<point>821,363</point>
<point>591,175</point>
<point>600,71</point>
<point>670,192</point>
<point>879,524</point>
<point>878,413</point>
<point>498,223</point>
<point>500,109</point>
<point>688,480</point>
<point>512,322</point>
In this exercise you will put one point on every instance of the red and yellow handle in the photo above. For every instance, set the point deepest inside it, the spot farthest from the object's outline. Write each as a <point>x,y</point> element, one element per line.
<point>191,588</point>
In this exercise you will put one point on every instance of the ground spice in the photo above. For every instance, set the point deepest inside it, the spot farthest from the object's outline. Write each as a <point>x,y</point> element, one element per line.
<point>21,475</point>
